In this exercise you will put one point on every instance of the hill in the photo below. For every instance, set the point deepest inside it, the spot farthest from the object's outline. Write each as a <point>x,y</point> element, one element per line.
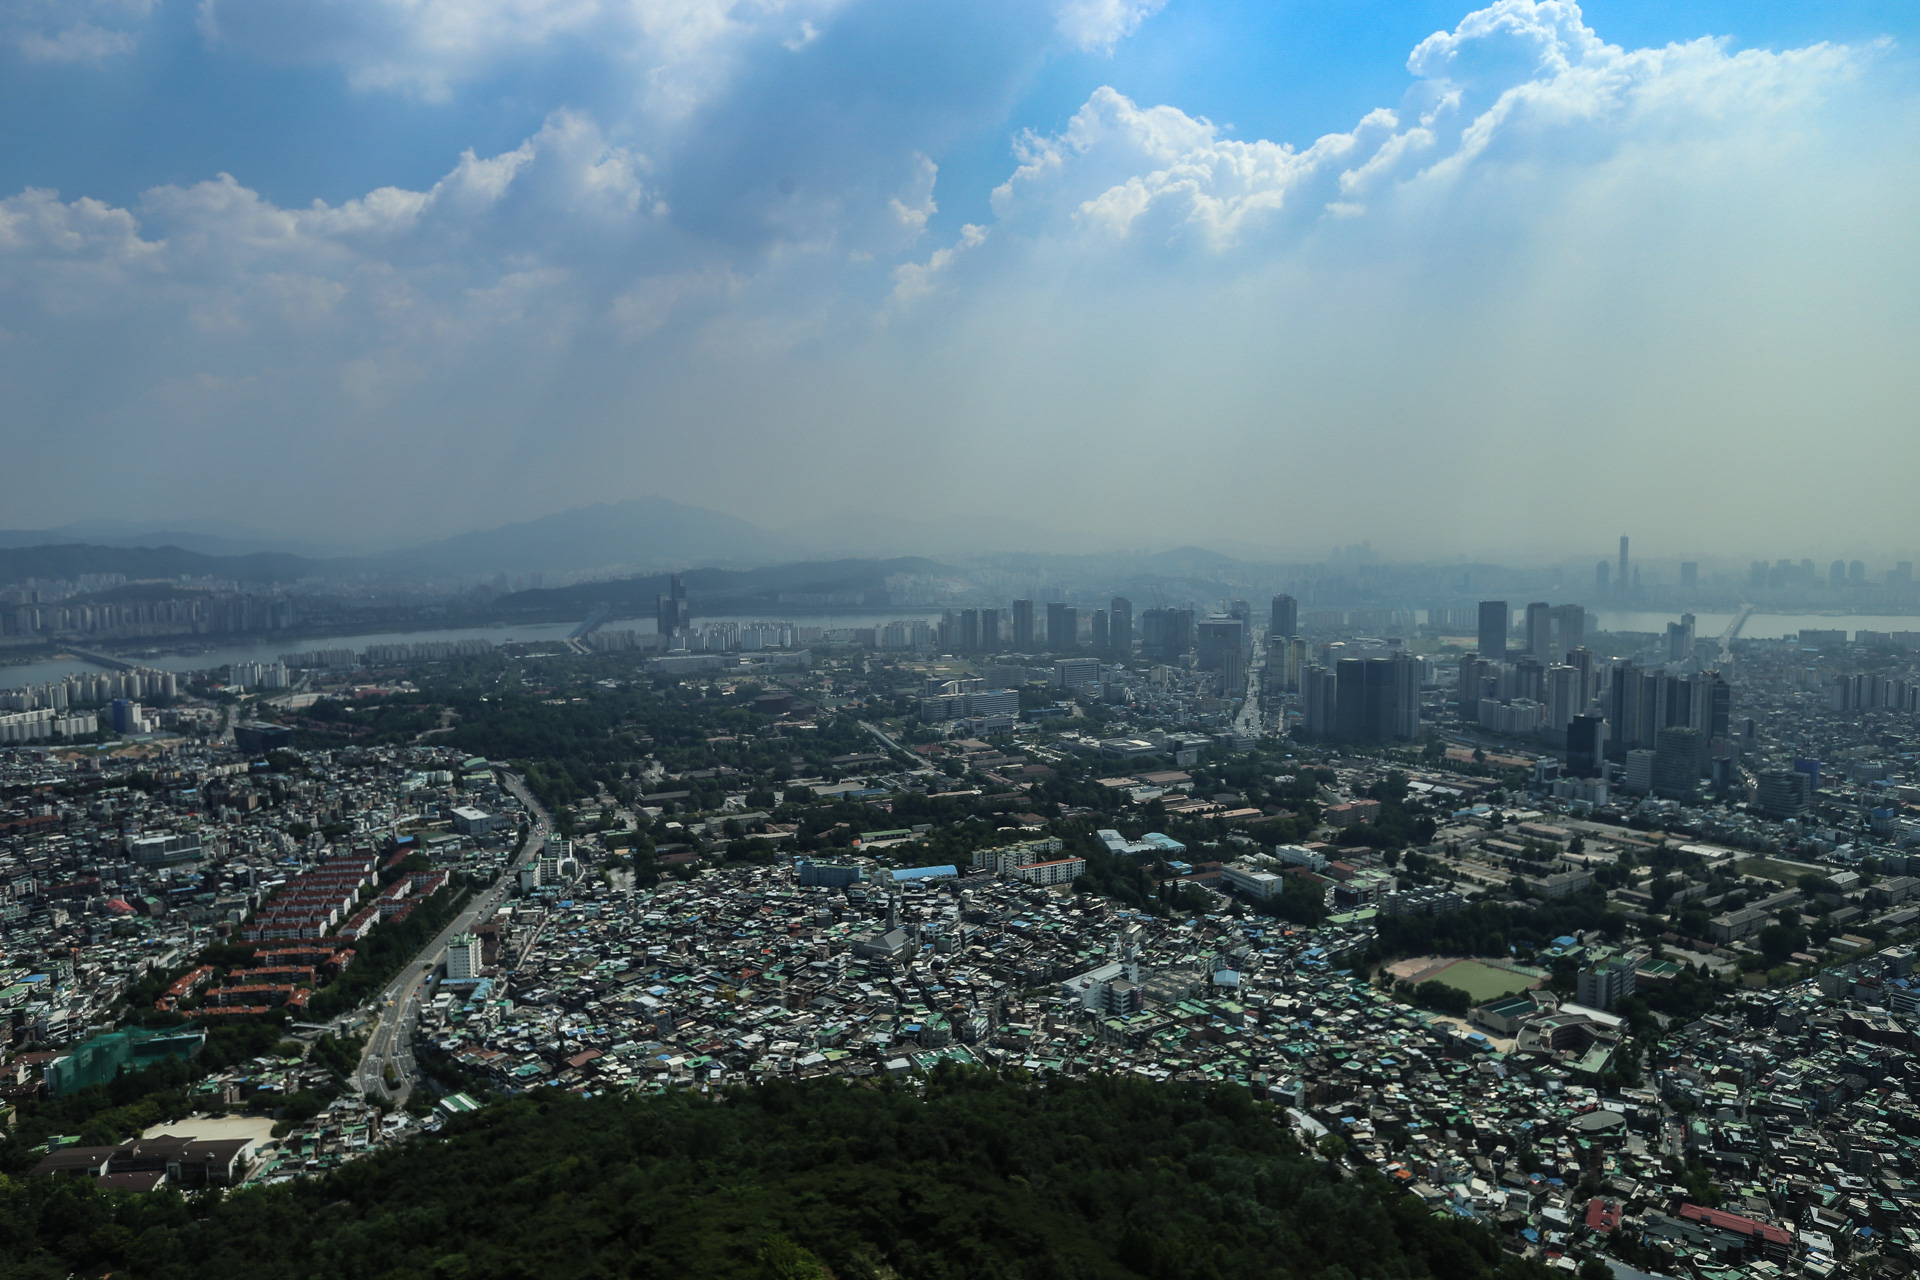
<point>640,533</point>
<point>981,1179</point>
<point>70,560</point>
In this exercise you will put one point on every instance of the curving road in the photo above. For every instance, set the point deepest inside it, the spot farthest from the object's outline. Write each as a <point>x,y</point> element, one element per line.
<point>397,1005</point>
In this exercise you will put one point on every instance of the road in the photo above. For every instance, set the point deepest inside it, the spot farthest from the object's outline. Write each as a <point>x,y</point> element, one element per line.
<point>397,1005</point>
<point>1247,719</point>
<point>888,742</point>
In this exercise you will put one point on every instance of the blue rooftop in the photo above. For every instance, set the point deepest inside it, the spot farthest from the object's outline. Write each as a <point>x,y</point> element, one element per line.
<point>902,875</point>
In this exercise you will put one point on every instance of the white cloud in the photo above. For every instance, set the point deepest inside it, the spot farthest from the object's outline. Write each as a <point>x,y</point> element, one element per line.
<point>74,31</point>
<point>679,51</point>
<point>1098,25</point>
<point>1530,75</point>
<point>915,281</point>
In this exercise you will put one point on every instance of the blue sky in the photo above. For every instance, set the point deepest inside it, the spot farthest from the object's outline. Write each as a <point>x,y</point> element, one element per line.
<point>761,255</point>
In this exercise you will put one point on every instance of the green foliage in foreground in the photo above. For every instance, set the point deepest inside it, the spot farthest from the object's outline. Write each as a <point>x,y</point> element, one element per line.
<point>982,1178</point>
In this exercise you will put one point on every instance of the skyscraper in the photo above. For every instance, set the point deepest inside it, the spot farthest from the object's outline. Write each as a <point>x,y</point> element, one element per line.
<point>1539,624</point>
<point>1469,688</point>
<point>990,630</point>
<point>1586,741</point>
<point>1565,698</point>
<point>1120,626</point>
<point>1493,630</point>
<point>1063,627</point>
<point>1217,638</point>
<point>1317,701</point>
<point>1376,699</point>
<point>1165,634</point>
<point>1679,760</point>
<point>1569,630</point>
<point>1286,617</point>
<point>1102,641</point>
<point>1023,626</point>
<point>672,617</point>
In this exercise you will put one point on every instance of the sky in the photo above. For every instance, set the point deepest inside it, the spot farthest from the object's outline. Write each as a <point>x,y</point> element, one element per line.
<point>1504,282</point>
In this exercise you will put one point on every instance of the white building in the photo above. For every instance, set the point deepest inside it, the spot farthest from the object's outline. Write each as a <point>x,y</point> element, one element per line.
<point>463,958</point>
<point>1060,871</point>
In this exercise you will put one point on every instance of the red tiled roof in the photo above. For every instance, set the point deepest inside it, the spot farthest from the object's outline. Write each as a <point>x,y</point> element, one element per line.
<point>1734,1222</point>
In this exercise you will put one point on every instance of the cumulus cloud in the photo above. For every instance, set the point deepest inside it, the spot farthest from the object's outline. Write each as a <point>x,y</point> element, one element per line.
<point>1525,75</point>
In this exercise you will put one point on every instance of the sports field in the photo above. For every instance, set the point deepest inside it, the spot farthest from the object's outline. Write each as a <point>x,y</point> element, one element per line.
<point>1483,982</point>
<point>1784,872</point>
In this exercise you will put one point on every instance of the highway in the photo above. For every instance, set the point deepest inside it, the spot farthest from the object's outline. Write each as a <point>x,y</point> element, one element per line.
<point>397,1006</point>
<point>1247,719</point>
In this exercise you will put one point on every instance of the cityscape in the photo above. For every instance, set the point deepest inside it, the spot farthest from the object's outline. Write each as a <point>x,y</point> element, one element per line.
<point>1600,939</point>
<point>1074,640</point>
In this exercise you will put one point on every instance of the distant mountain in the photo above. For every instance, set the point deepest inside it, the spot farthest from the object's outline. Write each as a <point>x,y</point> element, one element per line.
<point>640,533</point>
<point>71,560</point>
<point>207,537</point>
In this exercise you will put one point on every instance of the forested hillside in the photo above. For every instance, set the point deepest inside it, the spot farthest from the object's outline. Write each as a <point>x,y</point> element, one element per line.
<point>980,1179</point>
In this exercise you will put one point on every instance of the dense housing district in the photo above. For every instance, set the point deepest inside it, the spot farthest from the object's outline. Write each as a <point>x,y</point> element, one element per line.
<point>1618,1010</point>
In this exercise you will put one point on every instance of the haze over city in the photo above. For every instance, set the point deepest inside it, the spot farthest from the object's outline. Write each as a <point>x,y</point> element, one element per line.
<point>1490,282</point>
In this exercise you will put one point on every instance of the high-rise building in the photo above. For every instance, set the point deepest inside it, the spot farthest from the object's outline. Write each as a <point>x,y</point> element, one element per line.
<point>970,631</point>
<point>1784,793</point>
<point>1023,626</point>
<point>1165,634</point>
<point>1569,629</point>
<point>464,961</point>
<point>1680,638</point>
<point>1469,689</point>
<point>1586,743</point>
<point>1638,775</point>
<point>1565,696</point>
<point>672,616</point>
<point>1318,701</point>
<point>1628,718</point>
<point>1286,655</point>
<point>1493,630</point>
<point>1539,632</point>
<point>1607,983</point>
<point>1581,659</point>
<point>1623,564</point>
<point>1376,699</point>
<point>990,630</point>
<point>1102,641</point>
<point>1063,627</point>
<point>1120,626</point>
<point>1215,639</point>
<point>1285,618</point>
<point>1679,761</point>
